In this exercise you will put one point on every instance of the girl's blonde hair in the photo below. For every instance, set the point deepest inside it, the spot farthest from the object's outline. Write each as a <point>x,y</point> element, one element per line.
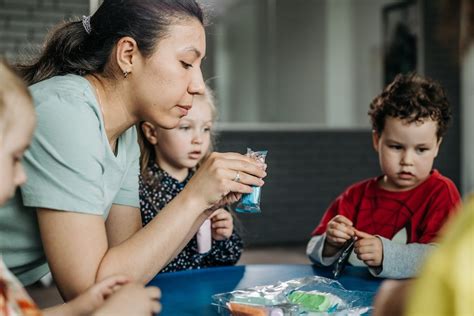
<point>147,150</point>
<point>10,83</point>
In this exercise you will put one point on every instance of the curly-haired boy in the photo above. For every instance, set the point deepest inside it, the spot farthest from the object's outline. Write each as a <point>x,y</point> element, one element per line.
<point>394,218</point>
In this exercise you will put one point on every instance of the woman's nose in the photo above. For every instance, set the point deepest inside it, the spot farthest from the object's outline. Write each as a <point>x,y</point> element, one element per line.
<point>197,85</point>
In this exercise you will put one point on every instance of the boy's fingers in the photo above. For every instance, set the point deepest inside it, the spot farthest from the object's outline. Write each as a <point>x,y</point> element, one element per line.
<point>362,234</point>
<point>335,232</point>
<point>343,220</point>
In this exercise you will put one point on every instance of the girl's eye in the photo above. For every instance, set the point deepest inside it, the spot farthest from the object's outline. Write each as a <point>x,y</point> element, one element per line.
<point>184,128</point>
<point>186,65</point>
<point>207,129</point>
<point>422,150</point>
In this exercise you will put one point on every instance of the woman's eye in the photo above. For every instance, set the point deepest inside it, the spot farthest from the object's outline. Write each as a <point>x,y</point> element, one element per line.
<point>422,150</point>
<point>207,129</point>
<point>186,65</point>
<point>184,128</point>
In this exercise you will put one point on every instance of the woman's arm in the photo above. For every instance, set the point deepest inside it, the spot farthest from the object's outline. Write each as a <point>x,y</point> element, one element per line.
<point>77,245</point>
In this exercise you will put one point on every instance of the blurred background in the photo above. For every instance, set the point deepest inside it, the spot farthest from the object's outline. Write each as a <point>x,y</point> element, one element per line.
<point>296,77</point>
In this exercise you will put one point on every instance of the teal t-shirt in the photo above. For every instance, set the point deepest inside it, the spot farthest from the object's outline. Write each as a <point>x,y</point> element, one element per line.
<point>70,167</point>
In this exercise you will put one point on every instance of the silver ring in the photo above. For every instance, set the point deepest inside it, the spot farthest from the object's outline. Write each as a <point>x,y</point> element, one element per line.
<point>237,177</point>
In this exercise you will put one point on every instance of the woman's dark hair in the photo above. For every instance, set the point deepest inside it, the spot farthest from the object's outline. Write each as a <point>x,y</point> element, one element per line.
<point>69,49</point>
<point>412,98</point>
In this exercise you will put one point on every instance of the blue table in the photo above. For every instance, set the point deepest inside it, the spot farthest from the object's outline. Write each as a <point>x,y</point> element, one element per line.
<point>189,292</point>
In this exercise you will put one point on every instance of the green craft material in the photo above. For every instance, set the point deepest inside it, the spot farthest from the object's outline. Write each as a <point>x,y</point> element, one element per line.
<point>317,302</point>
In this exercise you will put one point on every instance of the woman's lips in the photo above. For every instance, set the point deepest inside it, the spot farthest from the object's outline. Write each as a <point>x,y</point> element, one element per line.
<point>184,109</point>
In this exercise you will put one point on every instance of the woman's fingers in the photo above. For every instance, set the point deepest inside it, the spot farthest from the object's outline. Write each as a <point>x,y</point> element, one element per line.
<point>237,162</point>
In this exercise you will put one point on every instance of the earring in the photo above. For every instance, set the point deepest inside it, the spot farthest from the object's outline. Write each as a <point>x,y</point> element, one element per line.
<point>125,73</point>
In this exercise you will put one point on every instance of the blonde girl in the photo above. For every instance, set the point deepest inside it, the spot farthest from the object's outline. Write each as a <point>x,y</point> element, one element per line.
<point>169,160</point>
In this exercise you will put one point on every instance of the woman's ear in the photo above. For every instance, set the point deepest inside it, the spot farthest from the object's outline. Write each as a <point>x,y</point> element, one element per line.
<point>150,132</point>
<point>375,140</point>
<point>126,54</point>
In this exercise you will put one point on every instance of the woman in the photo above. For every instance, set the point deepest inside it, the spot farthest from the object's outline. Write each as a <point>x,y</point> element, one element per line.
<point>132,61</point>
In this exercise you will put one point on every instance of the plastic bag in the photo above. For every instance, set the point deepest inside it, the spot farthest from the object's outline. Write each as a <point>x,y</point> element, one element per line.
<point>313,295</point>
<point>250,202</point>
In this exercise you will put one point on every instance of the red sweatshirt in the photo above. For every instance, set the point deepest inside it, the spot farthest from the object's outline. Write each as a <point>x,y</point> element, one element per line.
<point>422,210</point>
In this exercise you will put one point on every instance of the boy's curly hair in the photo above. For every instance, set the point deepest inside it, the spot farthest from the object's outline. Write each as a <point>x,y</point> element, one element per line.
<point>412,98</point>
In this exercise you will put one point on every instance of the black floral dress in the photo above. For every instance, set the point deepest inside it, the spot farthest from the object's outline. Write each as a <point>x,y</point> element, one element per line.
<point>159,189</point>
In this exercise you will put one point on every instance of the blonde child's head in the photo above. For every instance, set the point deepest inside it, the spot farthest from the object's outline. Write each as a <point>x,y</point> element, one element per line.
<point>409,120</point>
<point>17,122</point>
<point>183,147</point>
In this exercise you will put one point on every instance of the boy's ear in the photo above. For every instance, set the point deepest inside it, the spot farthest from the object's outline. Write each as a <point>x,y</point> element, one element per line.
<point>438,144</point>
<point>150,132</point>
<point>375,140</point>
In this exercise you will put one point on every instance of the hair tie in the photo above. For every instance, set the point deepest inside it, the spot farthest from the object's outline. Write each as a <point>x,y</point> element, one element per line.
<point>86,22</point>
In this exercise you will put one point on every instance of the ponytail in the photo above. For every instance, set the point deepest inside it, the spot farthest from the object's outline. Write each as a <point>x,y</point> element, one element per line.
<point>70,49</point>
<point>66,52</point>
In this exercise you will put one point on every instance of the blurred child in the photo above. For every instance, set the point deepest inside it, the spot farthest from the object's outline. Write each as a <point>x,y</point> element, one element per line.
<point>110,296</point>
<point>169,160</point>
<point>394,218</point>
<point>446,282</point>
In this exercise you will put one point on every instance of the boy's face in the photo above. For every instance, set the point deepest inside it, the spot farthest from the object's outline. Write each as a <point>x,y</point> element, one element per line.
<point>406,152</point>
<point>13,144</point>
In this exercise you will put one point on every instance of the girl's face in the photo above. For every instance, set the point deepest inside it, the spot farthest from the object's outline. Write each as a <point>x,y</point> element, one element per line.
<point>183,147</point>
<point>13,144</point>
<point>165,83</point>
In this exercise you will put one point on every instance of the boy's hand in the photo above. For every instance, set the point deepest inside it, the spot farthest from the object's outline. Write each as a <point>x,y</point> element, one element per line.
<point>222,224</point>
<point>338,231</point>
<point>369,249</point>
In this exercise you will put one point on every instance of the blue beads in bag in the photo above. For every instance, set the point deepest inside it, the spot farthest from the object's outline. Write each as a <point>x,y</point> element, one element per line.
<point>250,202</point>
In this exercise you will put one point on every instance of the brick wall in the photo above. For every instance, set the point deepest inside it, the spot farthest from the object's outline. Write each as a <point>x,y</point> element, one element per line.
<point>24,23</point>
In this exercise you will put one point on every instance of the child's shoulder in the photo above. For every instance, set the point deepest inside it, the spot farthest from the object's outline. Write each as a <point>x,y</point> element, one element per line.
<point>363,184</point>
<point>438,182</point>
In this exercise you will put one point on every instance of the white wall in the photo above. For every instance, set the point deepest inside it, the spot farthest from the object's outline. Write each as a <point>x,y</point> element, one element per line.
<point>467,117</point>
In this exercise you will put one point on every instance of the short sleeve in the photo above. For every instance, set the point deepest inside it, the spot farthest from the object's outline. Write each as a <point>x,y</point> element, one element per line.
<point>64,163</point>
<point>128,193</point>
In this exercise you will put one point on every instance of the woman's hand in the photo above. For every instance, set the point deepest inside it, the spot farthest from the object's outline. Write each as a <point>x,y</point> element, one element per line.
<point>222,224</point>
<point>223,177</point>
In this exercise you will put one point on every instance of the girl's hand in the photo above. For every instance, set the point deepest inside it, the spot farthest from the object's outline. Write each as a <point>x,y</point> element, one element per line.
<point>132,299</point>
<point>369,249</point>
<point>222,224</point>
<point>338,231</point>
<point>95,296</point>
<point>223,177</point>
